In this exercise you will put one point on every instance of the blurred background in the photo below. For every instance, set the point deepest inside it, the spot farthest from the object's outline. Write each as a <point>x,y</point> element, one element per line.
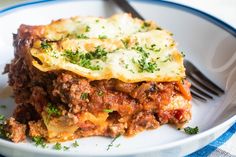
<point>223,9</point>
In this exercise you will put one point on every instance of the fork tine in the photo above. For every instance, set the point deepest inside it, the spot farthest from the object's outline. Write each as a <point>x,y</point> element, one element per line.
<point>196,89</point>
<point>209,82</point>
<point>202,80</point>
<point>198,97</point>
<point>125,6</point>
<point>203,86</point>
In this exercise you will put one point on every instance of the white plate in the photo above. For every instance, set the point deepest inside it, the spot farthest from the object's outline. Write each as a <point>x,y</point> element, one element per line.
<point>207,42</point>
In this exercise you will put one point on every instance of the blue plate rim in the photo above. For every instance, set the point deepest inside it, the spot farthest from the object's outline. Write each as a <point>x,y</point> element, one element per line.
<point>212,19</point>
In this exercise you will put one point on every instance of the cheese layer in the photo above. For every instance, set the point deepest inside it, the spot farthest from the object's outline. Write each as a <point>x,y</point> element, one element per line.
<point>120,47</point>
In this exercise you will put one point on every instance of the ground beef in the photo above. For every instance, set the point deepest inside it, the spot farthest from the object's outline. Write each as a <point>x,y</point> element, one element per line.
<point>14,130</point>
<point>133,107</point>
<point>37,129</point>
<point>25,113</point>
<point>142,121</point>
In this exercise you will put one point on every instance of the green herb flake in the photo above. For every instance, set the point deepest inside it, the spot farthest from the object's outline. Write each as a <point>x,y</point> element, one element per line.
<point>87,29</point>
<point>2,117</point>
<point>53,110</point>
<point>125,43</point>
<point>102,37</point>
<point>97,21</point>
<point>2,131</point>
<point>143,64</point>
<point>75,144</point>
<point>145,25</point>
<point>3,106</point>
<point>45,45</point>
<point>99,53</point>
<point>84,59</point>
<point>147,66</point>
<point>65,148</point>
<point>108,110</point>
<point>153,47</point>
<point>168,58</point>
<point>100,93</point>
<point>84,96</point>
<point>191,131</point>
<point>112,142</point>
<point>81,36</point>
<point>158,28</point>
<point>39,141</point>
<point>54,54</point>
<point>57,146</point>
<point>182,53</point>
<point>141,51</point>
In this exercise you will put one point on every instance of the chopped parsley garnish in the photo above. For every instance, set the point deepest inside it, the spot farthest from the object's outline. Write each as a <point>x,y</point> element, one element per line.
<point>39,141</point>
<point>65,148</point>
<point>145,25</point>
<point>147,66</point>
<point>112,142</point>
<point>53,110</point>
<point>45,45</point>
<point>81,36</point>
<point>153,47</point>
<point>191,131</point>
<point>97,21</point>
<point>84,96</point>
<point>182,53</point>
<point>100,93</point>
<point>3,132</point>
<point>75,144</point>
<point>3,106</point>
<point>168,58</point>
<point>57,146</point>
<point>99,53</point>
<point>84,59</point>
<point>102,37</point>
<point>143,64</point>
<point>54,54</point>
<point>87,29</point>
<point>125,43</point>
<point>72,57</point>
<point>140,49</point>
<point>108,110</point>
<point>2,117</point>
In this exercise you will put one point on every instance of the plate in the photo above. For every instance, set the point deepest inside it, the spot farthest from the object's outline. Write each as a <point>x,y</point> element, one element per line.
<point>207,42</point>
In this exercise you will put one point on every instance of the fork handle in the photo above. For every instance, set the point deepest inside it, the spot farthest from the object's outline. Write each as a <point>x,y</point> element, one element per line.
<point>126,7</point>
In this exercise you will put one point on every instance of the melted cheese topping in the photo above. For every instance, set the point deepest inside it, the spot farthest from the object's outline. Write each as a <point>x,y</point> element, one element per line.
<point>119,47</point>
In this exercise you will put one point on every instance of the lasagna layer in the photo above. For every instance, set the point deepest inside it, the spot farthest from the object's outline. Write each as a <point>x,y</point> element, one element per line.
<point>88,76</point>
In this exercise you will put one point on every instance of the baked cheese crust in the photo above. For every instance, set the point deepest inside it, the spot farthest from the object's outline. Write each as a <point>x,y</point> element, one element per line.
<point>119,47</point>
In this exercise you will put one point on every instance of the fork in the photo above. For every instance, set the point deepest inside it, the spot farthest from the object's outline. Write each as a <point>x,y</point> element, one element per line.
<point>202,88</point>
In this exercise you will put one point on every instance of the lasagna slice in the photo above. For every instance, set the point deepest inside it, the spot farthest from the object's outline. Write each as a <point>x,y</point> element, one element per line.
<point>90,76</point>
